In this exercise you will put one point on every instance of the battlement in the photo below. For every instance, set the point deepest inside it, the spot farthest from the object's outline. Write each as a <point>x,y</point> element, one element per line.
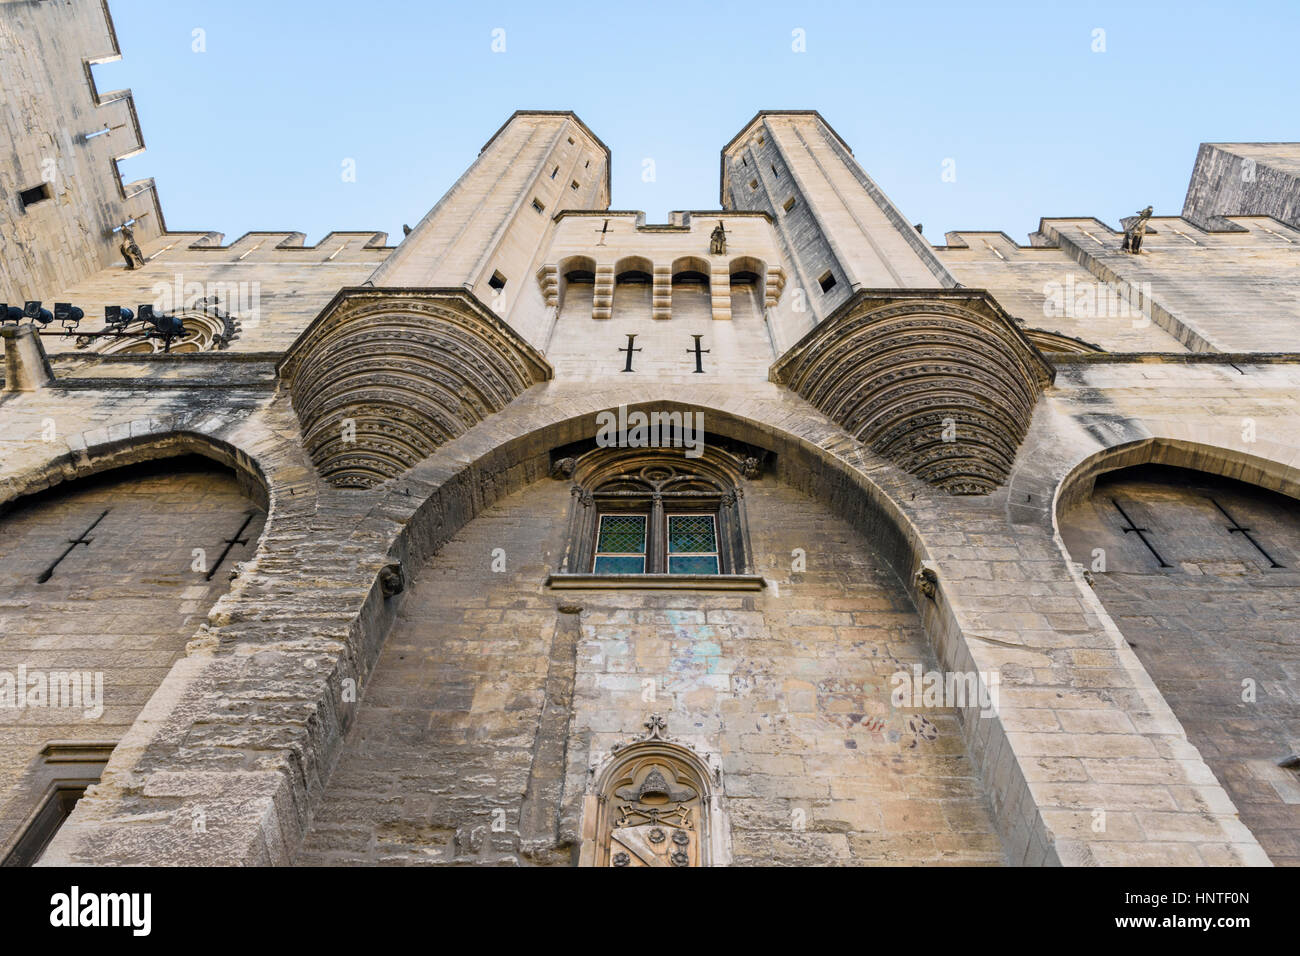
<point>62,198</point>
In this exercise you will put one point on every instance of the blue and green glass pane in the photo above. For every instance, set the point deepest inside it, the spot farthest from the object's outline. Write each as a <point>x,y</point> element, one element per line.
<point>621,545</point>
<point>692,545</point>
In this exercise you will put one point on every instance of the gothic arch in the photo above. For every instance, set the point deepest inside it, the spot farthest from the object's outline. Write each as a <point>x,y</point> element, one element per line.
<point>131,543</point>
<point>1269,473</point>
<point>1203,603</point>
<point>95,453</point>
<point>530,453</point>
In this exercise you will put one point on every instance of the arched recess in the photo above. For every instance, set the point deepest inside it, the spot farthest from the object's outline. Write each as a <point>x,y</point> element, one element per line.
<point>541,684</point>
<point>109,563</point>
<point>1194,552</point>
<point>691,290</point>
<point>748,287</point>
<point>579,271</point>
<point>633,286</point>
<point>691,270</point>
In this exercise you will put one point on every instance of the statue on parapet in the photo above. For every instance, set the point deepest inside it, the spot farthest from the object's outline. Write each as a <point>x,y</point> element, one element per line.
<point>718,240</point>
<point>131,250</point>
<point>1135,230</point>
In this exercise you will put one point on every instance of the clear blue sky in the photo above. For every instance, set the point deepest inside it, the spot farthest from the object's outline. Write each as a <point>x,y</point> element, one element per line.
<point>252,133</point>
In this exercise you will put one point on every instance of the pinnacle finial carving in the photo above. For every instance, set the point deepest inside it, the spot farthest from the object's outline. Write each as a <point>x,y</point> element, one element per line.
<point>656,728</point>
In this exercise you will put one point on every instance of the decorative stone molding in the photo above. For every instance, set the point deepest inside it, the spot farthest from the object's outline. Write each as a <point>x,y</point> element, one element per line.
<point>384,376</point>
<point>940,381</point>
<point>655,802</point>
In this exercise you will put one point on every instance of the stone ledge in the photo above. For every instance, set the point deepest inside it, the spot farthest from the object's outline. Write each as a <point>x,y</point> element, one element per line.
<point>656,582</point>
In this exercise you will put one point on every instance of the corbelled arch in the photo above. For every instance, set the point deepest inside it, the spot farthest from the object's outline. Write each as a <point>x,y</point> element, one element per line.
<point>942,382</point>
<point>383,377</point>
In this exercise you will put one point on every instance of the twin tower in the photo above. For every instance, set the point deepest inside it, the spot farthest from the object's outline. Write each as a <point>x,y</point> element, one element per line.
<point>807,277</point>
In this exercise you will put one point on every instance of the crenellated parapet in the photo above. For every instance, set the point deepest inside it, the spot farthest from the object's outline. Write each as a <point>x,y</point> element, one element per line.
<point>941,382</point>
<point>384,376</point>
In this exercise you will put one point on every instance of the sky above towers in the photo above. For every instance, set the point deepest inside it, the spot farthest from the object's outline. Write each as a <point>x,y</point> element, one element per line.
<point>319,114</point>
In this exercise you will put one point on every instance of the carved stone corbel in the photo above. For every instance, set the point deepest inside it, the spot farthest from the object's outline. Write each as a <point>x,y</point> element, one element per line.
<point>927,580</point>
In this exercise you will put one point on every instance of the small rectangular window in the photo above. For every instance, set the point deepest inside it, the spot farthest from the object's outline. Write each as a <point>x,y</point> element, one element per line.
<point>30,197</point>
<point>498,281</point>
<point>761,140</point>
<point>537,204</point>
<point>587,165</point>
<point>574,185</point>
<point>776,172</point>
<point>570,140</point>
<point>789,204</point>
<point>554,171</point>
<point>692,544</point>
<point>827,281</point>
<point>753,184</point>
<point>621,544</point>
<point>61,774</point>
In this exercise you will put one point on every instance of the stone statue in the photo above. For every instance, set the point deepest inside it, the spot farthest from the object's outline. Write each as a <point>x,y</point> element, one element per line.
<point>718,241</point>
<point>130,250</point>
<point>1135,231</point>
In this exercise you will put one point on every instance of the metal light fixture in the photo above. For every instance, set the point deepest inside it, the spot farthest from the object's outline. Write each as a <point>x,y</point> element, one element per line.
<point>32,310</point>
<point>10,313</point>
<point>68,314</point>
<point>118,316</point>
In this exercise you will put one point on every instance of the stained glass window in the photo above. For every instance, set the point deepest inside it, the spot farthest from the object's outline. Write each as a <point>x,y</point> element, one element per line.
<point>692,544</point>
<point>621,544</point>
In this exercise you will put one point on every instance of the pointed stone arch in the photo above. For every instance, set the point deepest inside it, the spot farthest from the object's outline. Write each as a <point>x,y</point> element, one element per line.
<point>1189,548</point>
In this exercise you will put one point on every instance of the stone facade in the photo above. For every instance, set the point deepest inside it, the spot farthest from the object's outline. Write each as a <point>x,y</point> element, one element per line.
<point>906,650</point>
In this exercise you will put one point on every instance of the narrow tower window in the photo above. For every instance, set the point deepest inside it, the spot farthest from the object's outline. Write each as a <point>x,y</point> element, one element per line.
<point>537,204</point>
<point>30,197</point>
<point>827,281</point>
<point>498,281</point>
<point>789,204</point>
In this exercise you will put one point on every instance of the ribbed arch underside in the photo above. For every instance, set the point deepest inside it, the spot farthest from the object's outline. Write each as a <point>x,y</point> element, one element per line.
<point>943,384</point>
<point>384,377</point>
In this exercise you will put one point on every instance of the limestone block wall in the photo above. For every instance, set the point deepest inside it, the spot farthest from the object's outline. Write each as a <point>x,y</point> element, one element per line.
<point>1044,288</point>
<point>829,214</point>
<point>271,282</point>
<point>1244,179</point>
<point>1214,291</point>
<point>63,138</point>
<point>1216,628</point>
<point>790,691</point>
<point>122,606</point>
<point>309,614</point>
